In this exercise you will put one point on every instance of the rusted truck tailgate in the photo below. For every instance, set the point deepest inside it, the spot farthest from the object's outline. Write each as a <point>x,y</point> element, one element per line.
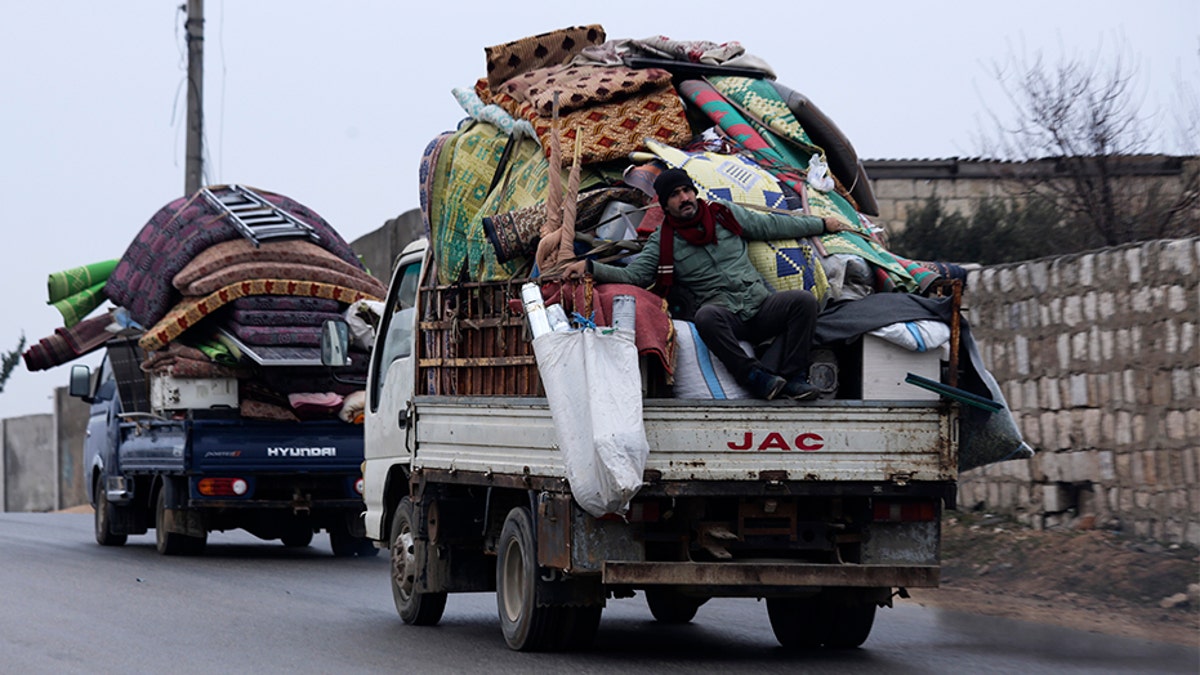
<point>717,440</point>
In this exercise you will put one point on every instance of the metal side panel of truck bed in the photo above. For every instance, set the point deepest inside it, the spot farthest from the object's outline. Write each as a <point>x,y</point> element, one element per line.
<point>708,441</point>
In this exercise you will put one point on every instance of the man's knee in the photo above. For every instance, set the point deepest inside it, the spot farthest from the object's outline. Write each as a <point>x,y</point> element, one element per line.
<point>801,302</point>
<point>709,315</point>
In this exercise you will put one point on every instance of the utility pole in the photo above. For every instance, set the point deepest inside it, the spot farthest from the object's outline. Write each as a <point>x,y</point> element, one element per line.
<point>194,169</point>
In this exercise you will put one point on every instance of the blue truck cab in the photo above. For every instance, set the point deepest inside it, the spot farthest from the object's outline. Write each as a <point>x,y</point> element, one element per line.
<point>186,472</point>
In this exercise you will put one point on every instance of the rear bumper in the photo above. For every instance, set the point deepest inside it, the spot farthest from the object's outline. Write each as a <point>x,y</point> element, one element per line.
<point>782,575</point>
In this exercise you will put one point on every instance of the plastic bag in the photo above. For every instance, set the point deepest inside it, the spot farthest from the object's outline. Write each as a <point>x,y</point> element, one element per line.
<point>594,389</point>
<point>818,174</point>
<point>362,317</point>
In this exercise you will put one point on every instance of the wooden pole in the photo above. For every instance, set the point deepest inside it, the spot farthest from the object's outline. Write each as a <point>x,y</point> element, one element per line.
<point>194,169</point>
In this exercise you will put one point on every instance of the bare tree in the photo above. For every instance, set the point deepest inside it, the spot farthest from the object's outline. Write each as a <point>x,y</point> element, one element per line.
<point>1085,118</point>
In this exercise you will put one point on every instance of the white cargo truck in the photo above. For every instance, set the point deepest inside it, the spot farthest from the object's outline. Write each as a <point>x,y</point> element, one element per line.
<point>825,509</point>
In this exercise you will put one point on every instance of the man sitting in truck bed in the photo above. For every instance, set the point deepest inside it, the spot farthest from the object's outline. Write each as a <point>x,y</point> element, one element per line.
<point>702,245</point>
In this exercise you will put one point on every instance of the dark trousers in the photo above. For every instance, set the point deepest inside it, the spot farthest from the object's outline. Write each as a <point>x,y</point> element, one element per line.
<point>787,316</point>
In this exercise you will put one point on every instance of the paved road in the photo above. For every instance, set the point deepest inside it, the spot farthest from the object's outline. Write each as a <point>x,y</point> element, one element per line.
<point>70,606</point>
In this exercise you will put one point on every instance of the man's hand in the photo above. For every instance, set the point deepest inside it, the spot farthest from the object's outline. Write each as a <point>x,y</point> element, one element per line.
<point>833,225</point>
<point>575,270</point>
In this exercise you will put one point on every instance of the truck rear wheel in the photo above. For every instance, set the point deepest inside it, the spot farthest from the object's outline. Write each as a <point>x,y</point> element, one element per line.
<point>797,622</point>
<point>173,543</point>
<point>837,619</point>
<point>297,537</point>
<point>526,626</point>
<point>415,608</point>
<point>104,515</point>
<point>850,616</point>
<point>672,607</point>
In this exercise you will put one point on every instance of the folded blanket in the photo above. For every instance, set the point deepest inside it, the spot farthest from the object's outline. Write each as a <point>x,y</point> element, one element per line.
<point>288,303</point>
<point>361,281</point>
<point>353,407</point>
<point>179,360</point>
<point>175,235</point>
<point>310,405</point>
<point>264,317</point>
<point>190,311</point>
<point>277,336</point>
<point>238,251</point>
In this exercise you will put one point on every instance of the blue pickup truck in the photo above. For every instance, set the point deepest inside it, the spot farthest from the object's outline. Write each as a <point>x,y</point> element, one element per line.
<point>190,471</point>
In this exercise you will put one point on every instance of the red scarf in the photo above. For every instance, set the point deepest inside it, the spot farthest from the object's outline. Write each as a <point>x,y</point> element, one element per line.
<point>699,230</point>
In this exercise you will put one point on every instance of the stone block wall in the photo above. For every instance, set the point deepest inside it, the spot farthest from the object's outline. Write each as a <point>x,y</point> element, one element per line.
<point>1098,355</point>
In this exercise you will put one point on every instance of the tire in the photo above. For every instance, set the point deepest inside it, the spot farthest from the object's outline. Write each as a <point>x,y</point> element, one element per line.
<point>797,622</point>
<point>850,620</point>
<point>298,537</point>
<point>578,627</point>
<point>346,545</point>
<point>173,543</point>
<point>833,619</point>
<point>104,514</point>
<point>672,607</point>
<point>415,608</point>
<point>526,626</point>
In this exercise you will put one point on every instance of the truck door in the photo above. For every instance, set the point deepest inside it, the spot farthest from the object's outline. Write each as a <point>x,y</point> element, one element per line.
<point>390,384</point>
<point>102,429</point>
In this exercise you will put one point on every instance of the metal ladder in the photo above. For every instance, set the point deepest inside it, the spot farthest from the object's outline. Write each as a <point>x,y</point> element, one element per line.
<point>256,218</point>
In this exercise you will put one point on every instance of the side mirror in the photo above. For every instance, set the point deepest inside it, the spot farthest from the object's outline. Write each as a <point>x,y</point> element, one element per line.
<point>335,344</point>
<point>80,385</point>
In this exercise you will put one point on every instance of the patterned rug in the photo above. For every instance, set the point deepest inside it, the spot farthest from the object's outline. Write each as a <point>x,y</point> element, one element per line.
<point>537,51</point>
<point>582,86</point>
<point>68,344</point>
<point>610,130</point>
<point>66,283</point>
<point>465,170</point>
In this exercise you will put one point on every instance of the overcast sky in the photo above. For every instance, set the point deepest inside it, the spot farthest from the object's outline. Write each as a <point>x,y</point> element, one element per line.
<point>331,103</point>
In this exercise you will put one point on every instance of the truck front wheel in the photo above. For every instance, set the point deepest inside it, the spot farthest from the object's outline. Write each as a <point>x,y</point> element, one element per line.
<point>526,626</point>
<point>104,512</point>
<point>415,608</point>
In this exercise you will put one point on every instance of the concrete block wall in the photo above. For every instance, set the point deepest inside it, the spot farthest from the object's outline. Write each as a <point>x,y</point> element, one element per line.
<point>41,458</point>
<point>1099,357</point>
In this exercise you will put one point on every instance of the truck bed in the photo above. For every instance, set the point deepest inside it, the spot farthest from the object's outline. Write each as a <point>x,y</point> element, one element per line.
<point>834,441</point>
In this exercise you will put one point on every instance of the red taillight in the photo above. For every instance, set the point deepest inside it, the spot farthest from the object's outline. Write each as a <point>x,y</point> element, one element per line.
<point>222,487</point>
<point>643,512</point>
<point>903,511</point>
<point>359,486</point>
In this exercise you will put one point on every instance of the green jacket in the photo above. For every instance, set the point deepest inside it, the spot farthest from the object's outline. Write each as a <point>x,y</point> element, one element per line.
<point>720,273</point>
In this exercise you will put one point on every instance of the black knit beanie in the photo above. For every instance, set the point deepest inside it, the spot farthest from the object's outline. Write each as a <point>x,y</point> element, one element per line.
<point>668,180</point>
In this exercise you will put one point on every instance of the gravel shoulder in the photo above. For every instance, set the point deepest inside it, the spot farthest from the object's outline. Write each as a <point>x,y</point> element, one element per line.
<point>1090,580</point>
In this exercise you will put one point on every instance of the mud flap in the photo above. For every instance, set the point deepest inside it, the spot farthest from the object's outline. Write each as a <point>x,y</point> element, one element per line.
<point>177,517</point>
